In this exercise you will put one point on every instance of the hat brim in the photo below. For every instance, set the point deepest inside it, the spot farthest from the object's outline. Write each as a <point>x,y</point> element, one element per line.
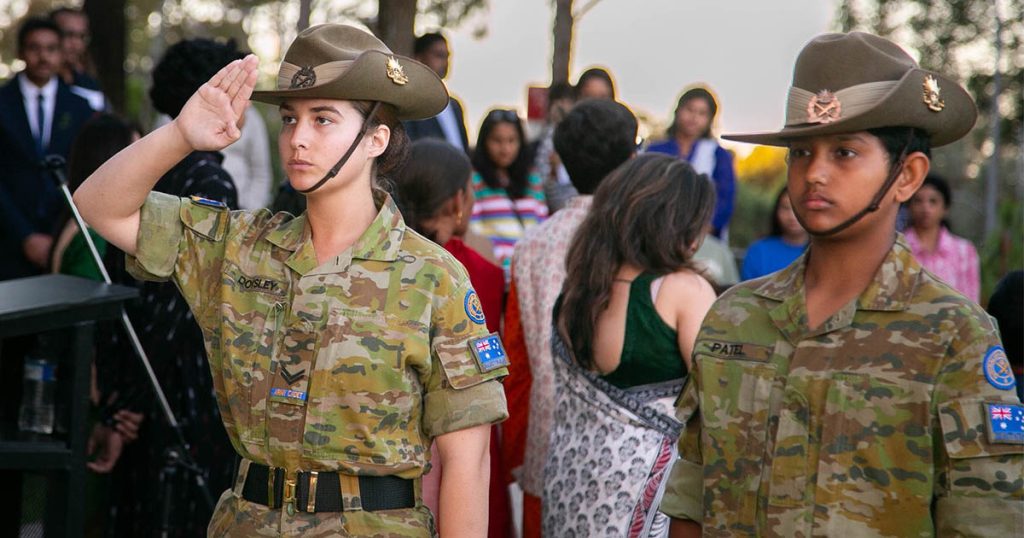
<point>423,96</point>
<point>903,106</point>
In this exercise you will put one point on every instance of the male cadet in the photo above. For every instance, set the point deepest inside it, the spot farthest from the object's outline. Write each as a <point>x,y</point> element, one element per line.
<point>432,50</point>
<point>39,116</point>
<point>852,393</point>
<point>593,139</point>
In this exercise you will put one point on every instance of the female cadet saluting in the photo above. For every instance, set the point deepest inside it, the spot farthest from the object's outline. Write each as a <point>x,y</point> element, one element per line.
<point>340,341</point>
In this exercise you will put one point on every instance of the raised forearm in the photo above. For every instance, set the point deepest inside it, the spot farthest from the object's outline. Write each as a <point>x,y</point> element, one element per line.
<point>110,198</point>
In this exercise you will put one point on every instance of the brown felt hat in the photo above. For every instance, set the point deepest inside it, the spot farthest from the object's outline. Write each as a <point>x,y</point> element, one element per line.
<point>335,61</point>
<point>851,82</point>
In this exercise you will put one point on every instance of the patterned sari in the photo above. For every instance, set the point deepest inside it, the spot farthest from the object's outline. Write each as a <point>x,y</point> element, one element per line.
<point>610,454</point>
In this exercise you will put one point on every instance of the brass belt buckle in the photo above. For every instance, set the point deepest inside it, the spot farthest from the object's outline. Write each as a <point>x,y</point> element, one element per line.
<point>289,495</point>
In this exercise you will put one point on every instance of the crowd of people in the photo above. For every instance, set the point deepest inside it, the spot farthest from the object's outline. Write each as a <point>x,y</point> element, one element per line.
<point>413,322</point>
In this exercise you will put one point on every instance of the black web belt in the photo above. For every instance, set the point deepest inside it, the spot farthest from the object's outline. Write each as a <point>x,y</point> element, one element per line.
<point>374,492</point>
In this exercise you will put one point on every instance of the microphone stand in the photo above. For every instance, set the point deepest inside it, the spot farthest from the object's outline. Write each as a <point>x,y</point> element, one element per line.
<point>182,456</point>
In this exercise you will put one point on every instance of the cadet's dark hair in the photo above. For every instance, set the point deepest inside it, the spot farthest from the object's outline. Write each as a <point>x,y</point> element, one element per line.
<point>435,172</point>
<point>895,139</point>
<point>595,73</point>
<point>519,170</point>
<point>33,24</point>
<point>648,213</point>
<point>425,41</point>
<point>690,95</point>
<point>593,139</point>
<point>187,65</point>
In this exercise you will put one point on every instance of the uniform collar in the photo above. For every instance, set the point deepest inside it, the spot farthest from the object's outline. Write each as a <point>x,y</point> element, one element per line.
<point>381,241</point>
<point>892,287</point>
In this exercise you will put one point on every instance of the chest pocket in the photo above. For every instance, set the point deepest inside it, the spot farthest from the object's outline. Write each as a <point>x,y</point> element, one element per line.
<point>252,311</point>
<point>873,440</point>
<point>364,394</point>
<point>735,401</point>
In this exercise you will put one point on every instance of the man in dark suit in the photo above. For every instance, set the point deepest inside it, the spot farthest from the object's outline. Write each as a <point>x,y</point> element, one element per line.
<point>432,50</point>
<point>39,116</point>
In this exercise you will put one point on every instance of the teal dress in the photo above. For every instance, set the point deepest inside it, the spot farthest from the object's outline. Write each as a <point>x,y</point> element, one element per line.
<point>650,350</point>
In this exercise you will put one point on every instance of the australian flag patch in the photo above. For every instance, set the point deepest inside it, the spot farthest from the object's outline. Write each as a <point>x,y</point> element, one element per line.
<point>1005,423</point>
<point>488,352</point>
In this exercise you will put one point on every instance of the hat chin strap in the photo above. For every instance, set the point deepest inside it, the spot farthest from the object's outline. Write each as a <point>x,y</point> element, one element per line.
<point>875,202</point>
<point>344,158</point>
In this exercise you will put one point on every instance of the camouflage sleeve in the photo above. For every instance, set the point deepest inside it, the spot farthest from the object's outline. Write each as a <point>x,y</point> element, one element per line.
<point>462,390</point>
<point>181,238</point>
<point>980,469</point>
<point>684,492</point>
<point>160,231</point>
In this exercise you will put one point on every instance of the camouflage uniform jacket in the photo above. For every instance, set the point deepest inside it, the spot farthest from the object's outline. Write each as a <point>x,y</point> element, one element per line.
<point>353,365</point>
<point>851,429</point>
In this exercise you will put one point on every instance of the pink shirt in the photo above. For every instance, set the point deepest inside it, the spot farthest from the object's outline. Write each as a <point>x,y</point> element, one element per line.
<point>954,261</point>
<point>538,267</point>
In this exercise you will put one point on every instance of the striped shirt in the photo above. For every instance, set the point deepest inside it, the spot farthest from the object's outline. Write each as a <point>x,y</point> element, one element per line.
<point>505,221</point>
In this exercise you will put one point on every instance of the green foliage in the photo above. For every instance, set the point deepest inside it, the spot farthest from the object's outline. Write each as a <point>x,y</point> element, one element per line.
<point>751,216</point>
<point>1003,251</point>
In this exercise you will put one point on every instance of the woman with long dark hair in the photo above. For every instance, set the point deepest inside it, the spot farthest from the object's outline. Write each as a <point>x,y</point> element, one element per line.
<point>951,257</point>
<point>630,309</point>
<point>509,199</point>
<point>690,138</point>
<point>785,242</point>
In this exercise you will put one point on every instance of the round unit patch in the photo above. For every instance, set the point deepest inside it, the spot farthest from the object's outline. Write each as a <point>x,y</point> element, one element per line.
<point>473,308</point>
<point>997,369</point>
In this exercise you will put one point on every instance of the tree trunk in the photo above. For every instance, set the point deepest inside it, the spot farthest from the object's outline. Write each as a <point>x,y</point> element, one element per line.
<point>562,53</point>
<point>395,24</point>
<point>107,47</point>
<point>305,7</point>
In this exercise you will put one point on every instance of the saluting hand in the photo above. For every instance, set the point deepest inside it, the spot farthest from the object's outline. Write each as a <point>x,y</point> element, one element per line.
<point>209,120</point>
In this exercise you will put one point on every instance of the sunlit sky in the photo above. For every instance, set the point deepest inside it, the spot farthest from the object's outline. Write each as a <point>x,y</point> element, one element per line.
<point>743,49</point>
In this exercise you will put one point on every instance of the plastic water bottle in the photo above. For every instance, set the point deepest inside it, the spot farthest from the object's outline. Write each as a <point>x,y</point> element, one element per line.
<point>40,381</point>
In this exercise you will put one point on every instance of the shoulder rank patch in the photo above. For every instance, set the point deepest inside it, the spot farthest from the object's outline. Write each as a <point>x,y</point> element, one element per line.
<point>997,369</point>
<point>199,200</point>
<point>1005,423</point>
<point>488,352</point>
<point>473,308</point>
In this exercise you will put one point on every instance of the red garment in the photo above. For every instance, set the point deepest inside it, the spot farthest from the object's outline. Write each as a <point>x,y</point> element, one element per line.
<point>517,386</point>
<point>489,282</point>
